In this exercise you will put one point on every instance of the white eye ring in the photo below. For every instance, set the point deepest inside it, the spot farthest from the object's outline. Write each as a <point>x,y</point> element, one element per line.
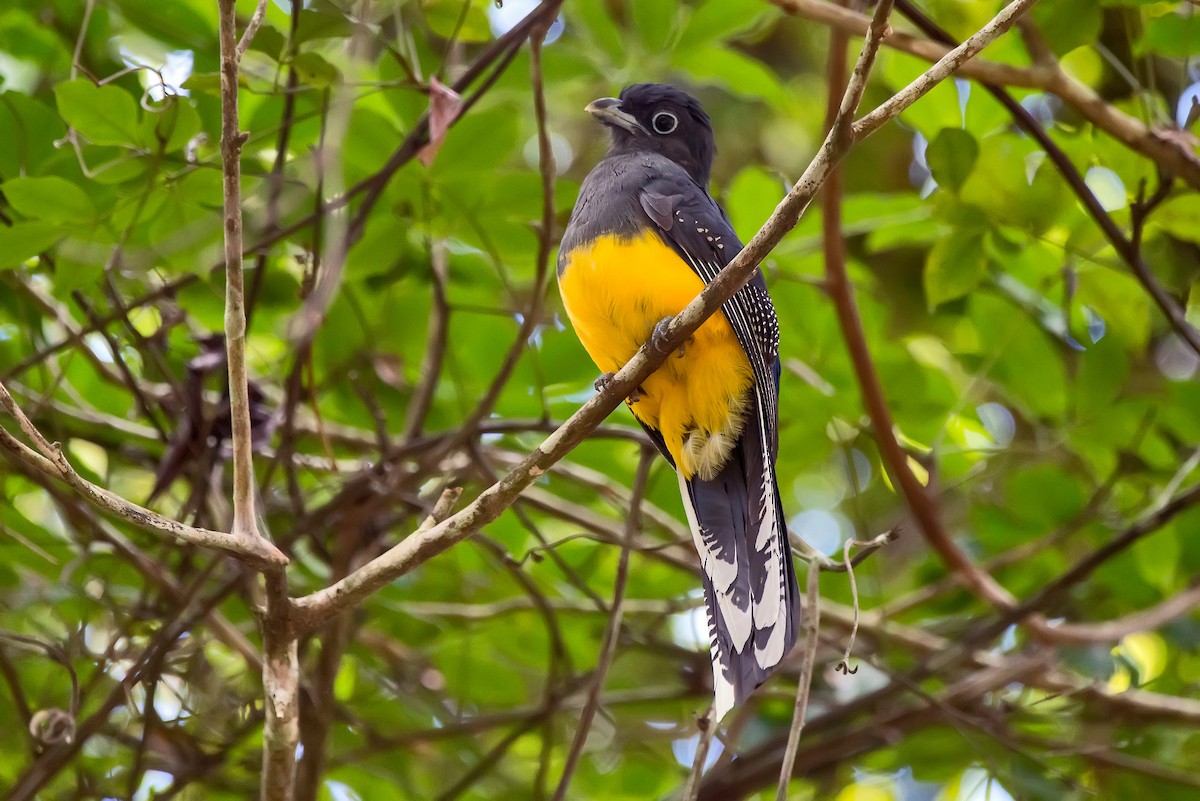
<point>664,122</point>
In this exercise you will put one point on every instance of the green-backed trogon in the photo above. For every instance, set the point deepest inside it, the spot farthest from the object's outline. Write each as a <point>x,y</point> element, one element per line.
<point>643,240</point>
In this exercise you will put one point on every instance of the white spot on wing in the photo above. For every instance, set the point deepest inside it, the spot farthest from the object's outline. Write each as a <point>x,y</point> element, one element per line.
<point>723,575</point>
<point>772,652</point>
<point>724,696</point>
<point>721,572</point>
<point>766,609</point>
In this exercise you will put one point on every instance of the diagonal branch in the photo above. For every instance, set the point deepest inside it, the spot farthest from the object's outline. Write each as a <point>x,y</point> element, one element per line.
<point>51,461</point>
<point>1167,153</point>
<point>1125,248</point>
<point>919,498</point>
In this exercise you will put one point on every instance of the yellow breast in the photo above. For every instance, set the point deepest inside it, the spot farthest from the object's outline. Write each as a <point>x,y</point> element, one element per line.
<point>615,289</point>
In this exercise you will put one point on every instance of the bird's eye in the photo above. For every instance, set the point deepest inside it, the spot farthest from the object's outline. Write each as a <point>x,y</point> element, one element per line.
<point>664,122</point>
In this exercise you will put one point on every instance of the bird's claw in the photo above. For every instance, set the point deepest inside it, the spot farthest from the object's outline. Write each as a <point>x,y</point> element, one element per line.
<point>658,339</point>
<point>605,381</point>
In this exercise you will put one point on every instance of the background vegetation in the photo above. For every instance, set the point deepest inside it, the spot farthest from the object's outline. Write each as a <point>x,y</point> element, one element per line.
<point>1028,279</point>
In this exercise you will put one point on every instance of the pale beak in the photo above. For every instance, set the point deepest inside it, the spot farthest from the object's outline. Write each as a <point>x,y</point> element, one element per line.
<point>608,111</point>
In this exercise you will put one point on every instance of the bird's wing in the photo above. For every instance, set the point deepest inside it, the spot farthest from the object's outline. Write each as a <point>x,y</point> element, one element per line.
<point>697,229</point>
<point>751,591</point>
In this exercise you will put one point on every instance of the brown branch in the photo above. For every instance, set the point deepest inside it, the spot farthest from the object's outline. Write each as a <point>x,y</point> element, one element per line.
<point>708,730</point>
<point>837,284</point>
<point>244,522</point>
<point>256,553</point>
<point>608,649</point>
<point>1050,593</point>
<point>281,667</point>
<point>1125,248</point>
<point>1169,155</point>
<point>919,499</point>
<point>759,766</point>
<point>252,26</point>
<point>435,347</point>
<point>812,626</point>
<point>533,311</point>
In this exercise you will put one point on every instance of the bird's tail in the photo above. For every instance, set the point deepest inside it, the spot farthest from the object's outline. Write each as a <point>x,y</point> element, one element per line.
<point>750,589</point>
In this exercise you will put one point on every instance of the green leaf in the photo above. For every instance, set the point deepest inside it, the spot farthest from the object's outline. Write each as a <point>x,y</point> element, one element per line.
<point>720,20</point>
<point>269,42</point>
<point>751,197</point>
<point>323,23</point>
<point>462,20</point>
<point>1179,216</point>
<point>955,266</point>
<point>172,126</point>
<point>736,72</point>
<point>1170,35</point>
<point>654,21</point>
<point>24,240</point>
<point>315,70</point>
<point>28,130</point>
<point>951,157</point>
<point>1068,24</point>
<point>104,115</point>
<point>50,198</point>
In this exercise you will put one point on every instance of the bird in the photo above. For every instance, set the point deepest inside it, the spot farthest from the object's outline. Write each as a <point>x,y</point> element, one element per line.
<point>644,238</point>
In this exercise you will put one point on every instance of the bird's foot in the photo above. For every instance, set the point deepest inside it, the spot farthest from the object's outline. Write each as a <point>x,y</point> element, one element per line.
<point>658,339</point>
<point>605,381</point>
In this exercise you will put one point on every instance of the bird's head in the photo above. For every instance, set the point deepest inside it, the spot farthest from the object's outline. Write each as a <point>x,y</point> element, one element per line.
<point>659,119</point>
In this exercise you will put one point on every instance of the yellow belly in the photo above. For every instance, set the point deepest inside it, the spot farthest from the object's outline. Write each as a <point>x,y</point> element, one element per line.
<point>615,290</point>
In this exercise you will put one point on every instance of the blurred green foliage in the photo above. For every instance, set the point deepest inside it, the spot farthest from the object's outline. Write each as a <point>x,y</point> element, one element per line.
<point>1029,374</point>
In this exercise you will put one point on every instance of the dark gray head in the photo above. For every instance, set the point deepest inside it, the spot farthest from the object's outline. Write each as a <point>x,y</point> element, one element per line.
<point>656,118</point>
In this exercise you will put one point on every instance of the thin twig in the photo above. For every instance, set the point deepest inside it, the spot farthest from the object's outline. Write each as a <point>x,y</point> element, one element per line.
<point>531,316</point>
<point>944,68</point>
<point>708,730</point>
<point>1051,592</point>
<point>244,518</point>
<point>1083,100</point>
<point>260,12</point>
<point>844,666</point>
<point>256,552</point>
<point>435,346</point>
<point>863,548</point>
<point>812,625</point>
<point>613,631</point>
